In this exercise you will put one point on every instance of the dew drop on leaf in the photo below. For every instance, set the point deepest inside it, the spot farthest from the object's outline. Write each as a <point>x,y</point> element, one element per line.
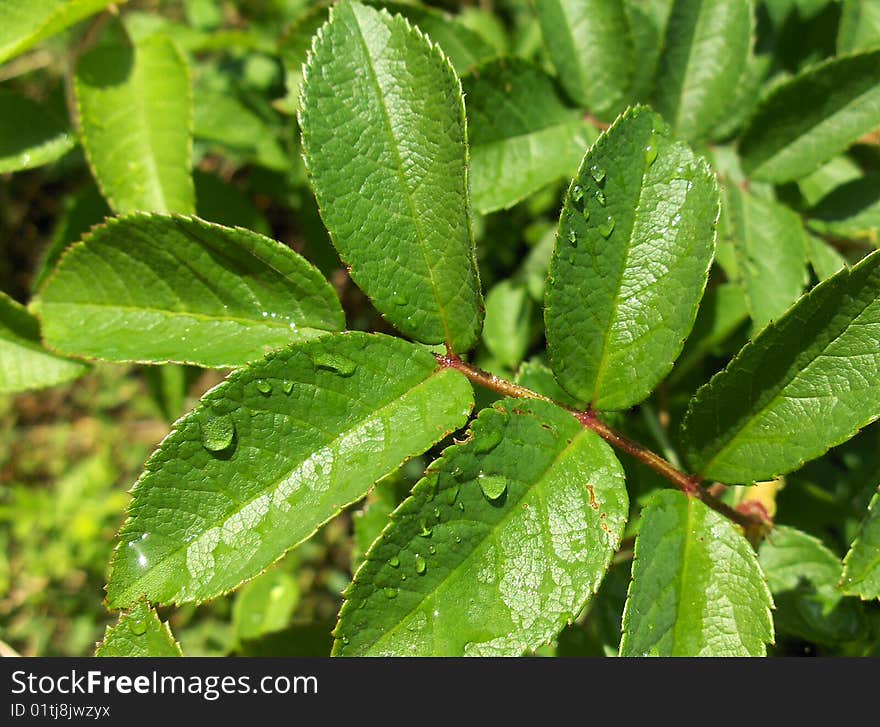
<point>138,626</point>
<point>597,173</point>
<point>432,549</point>
<point>287,386</point>
<point>572,238</point>
<point>607,227</point>
<point>493,486</point>
<point>651,151</point>
<point>600,197</point>
<point>577,193</point>
<point>421,565</point>
<point>390,592</point>
<point>264,386</point>
<point>399,298</point>
<point>452,494</point>
<point>218,433</point>
<point>394,562</point>
<point>586,213</point>
<point>336,364</point>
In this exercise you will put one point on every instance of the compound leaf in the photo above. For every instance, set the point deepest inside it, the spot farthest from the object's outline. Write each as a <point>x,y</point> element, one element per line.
<point>24,363</point>
<point>590,45</point>
<point>273,452</point>
<point>635,241</point>
<point>808,382</point>
<point>705,54</point>
<point>135,113</point>
<point>139,632</point>
<point>154,289</point>
<point>522,134</point>
<point>812,117</point>
<point>502,543</point>
<point>861,567</point>
<point>384,139</point>
<point>696,588</point>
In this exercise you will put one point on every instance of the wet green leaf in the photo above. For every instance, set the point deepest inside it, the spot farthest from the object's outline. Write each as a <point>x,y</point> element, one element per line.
<point>139,632</point>
<point>861,567</point>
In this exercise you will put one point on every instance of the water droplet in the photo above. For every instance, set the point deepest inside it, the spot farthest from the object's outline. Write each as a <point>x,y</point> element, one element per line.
<point>461,506</point>
<point>336,364</point>
<point>138,626</point>
<point>437,512</point>
<point>457,538</point>
<point>586,213</point>
<point>421,565</point>
<point>345,639</point>
<point>403,576</point>
<point>597,173</point>
<point>390,592</point>
<point>452,494</point>
<point>600,197</point>
<point>607,227</point>
<point>432,549</point>
<point>493,486</point>
<point>287,386</point>
<point>577,193</point>
<point>264,386</point>
<point>572,238</point>
<point>426,531</point>
<point>651,151</point>
<point>394,562</point>
<point>399,298</point>
<point>218,433</point>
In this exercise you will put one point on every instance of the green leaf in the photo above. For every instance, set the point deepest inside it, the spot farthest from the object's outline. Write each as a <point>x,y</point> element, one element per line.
<point>859,26</point>
<point>139,632</point>
<point>384,139</point>
<point>24,363</point>
<point>24,23</point>
<point>705,54</point>
<point>509,326</point>
<point>264,605</point>
<point>824,259</point>
<point>502,543</point>
<point>224,203</point>
<point>771,250</point>
<point>861,567</point>
<point>155,289</point>
<point>135,113</point>
<point>852,210</point>
<point>462,46</point>
<point>647,24</point>
<point>802,575</point>
<point>590,45</point>
<point>273,452</point>
<point>522,135</point>
<point>696,589</point>
<point>636,237</point>
<point>840,170</point>
<point>810,118</point>
<point>30,135</point>
<point>808,382</point>
<point>538,377</point>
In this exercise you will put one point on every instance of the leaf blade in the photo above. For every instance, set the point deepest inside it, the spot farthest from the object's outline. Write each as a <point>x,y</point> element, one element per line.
<point>203,293</point>
<point>488,589</point>
<point>805,399</point>
<point>30,135</point>
<point>696,588</point>
<point>135,112</point>
<point>139,633</point>
<point>344,424</point>
<point>625,242</point>
<point>522,135</point>
<point>366,136</point>
<point>861,566</point>
<point>24,363</point>
<point>812,117</point>
<point>693,96</point>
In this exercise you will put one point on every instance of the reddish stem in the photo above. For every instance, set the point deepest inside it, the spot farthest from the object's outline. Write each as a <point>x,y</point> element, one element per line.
<point>689,484</point>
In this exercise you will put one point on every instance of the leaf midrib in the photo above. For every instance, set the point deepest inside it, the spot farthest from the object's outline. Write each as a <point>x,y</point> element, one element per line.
<point>479,548</point>
<point>386,119</point>
<point>683,578</point>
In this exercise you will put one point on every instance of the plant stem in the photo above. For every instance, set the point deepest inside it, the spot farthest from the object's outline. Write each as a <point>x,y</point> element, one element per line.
<point>689,484</point>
